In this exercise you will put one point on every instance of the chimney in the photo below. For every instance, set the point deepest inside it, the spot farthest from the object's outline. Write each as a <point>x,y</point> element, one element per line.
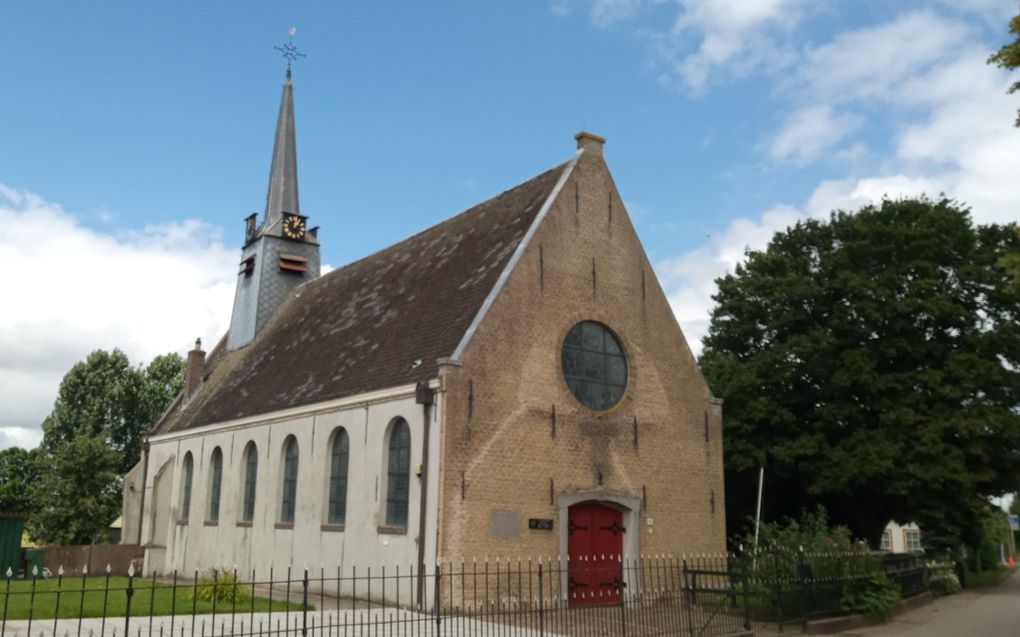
<point>194,370</point>
<point>590,142</point>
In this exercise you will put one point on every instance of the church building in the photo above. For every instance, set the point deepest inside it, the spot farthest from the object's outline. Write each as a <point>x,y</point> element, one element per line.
<point>508,382</point>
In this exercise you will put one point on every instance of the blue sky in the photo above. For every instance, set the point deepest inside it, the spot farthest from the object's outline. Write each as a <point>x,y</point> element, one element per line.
<point>135,137</point>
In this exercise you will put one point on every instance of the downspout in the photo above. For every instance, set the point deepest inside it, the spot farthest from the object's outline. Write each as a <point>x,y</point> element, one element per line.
<point>145,478</point>
<point>424,396</point>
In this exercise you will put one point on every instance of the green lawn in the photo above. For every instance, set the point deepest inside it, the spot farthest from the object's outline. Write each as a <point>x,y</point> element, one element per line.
<point>147,600</point>
<point>987,577</point>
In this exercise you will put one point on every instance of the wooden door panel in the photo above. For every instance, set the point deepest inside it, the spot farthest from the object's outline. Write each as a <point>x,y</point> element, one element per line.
<point>595,547</point>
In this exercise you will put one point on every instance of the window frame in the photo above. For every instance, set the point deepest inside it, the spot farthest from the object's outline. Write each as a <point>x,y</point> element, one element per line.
<point>887,540</point>
<point>907,534</point>
<point>598,394</point>
<point>397,506</point>
<point>288,482</point>
<point>338,463</point>
<point>249,483</point>
<point>215,486</point>
<point>187,480</point>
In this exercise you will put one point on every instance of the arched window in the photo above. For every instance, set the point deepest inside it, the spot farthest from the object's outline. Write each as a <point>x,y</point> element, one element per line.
<point>251,470</point>
<point>189,468</point>
<point>215,482</point>
<point>398,474</point>
<point>290,466</point>
<point>339,454</point>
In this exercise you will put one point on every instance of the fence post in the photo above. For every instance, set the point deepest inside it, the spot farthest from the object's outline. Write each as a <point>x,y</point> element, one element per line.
<point>7,597</point>
<point>745,580</point>
<point>541,600</point>
<point>304,604</point>
<point>130,593</point>
<point>806,603</point>
<point>623,600</point>
<point>778,589</point>
<point>689,599</point>
<point>435,602</point>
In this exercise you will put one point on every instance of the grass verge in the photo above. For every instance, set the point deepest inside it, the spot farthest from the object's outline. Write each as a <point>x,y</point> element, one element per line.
<point>97,598</point>
<point>988,577</point>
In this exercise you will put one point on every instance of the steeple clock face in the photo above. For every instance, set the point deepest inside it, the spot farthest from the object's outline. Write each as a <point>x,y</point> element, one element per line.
<point>293,226</point>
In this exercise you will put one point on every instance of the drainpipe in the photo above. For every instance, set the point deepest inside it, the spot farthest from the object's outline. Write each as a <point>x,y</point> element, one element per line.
<point>145,478</point>
<point>424,396</point>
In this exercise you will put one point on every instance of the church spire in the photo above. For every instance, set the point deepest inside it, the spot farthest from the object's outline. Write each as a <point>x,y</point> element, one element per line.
<point>282,195</point>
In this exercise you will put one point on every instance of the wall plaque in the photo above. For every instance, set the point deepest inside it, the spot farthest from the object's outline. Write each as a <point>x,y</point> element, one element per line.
<point>541,524</point>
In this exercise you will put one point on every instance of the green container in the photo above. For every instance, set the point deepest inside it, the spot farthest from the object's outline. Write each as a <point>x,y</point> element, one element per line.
<point>34,558</point>
<point>11,527</point>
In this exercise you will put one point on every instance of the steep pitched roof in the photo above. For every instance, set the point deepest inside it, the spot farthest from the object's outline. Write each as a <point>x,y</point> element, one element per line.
<point>282,194</point>
<point>376,323</point>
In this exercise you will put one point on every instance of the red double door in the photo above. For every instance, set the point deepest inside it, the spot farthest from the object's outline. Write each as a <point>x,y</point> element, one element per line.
<point>595,545</point>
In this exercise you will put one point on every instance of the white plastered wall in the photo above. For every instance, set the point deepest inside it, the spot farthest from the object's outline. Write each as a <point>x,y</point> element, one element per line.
<point>897,534</point>
<point>201,545</point>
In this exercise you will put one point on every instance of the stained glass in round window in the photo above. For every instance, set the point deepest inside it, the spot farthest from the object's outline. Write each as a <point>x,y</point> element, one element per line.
<point>594,365</point>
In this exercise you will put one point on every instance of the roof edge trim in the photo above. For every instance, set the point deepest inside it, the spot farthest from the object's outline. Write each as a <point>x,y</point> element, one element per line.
<point>291,413</point>
<point>518,253</point>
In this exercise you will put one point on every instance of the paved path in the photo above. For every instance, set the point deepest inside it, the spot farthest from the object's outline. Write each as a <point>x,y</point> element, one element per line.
<point>993,612</point>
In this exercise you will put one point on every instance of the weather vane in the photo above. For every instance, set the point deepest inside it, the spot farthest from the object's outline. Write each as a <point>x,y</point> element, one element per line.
<point>289,50</point>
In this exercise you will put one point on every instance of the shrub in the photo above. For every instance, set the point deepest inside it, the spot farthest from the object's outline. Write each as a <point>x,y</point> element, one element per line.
<point>871,594</point>
<point>943,580</point>
<point>220,586</point>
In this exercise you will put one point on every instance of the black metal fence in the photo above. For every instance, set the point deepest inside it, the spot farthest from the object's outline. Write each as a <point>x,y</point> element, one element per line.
<point>789,587</point>
<point>594,597</point>
<point>696,596</point>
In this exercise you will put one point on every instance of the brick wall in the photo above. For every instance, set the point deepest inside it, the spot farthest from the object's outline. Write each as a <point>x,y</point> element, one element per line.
<point>500,452</point>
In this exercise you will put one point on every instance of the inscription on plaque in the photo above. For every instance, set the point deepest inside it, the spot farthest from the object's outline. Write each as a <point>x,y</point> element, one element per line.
<point>541,524</point>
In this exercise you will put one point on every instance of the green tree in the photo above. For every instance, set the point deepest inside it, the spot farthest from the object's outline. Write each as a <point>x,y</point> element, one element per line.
<point>105,396</point>
<point>1011,262</point>
<point>79,495</point>
<point>869,362</point>
<point>161,381</point>
<point>1008,57</point>
<point>19,472</point>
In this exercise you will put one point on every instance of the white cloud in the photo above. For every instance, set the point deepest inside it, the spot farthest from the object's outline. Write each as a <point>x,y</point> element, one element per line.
<point>729,35</point>
<point>603,12</point>
<point>920,74</point>
<point>689,280</point>
<point>810,131</point>
<point>73,290</point>
<point>873,62</point>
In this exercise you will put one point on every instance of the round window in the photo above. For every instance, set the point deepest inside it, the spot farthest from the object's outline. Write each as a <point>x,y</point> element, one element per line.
<point>594,365</point>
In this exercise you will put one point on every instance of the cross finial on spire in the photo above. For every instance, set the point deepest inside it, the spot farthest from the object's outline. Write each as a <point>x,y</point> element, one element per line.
<point>289,50</point>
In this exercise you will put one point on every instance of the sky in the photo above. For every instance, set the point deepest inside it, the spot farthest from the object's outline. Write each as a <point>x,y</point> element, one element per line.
<point>135,138</point>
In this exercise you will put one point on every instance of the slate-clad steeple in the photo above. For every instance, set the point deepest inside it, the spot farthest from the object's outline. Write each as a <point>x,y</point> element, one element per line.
<point>279,254</point>
<point>282,195</point>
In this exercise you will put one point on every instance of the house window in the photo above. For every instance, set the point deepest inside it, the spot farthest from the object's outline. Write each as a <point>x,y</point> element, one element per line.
<point>398,474</point>
<point>189,467</point>
<point>886,542</point>
<point>912,538</point>
<point>251,469</point>
<point>594,365</point>
<point>215,481</point>
<point>290,467</point>
<point>339,455</point>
